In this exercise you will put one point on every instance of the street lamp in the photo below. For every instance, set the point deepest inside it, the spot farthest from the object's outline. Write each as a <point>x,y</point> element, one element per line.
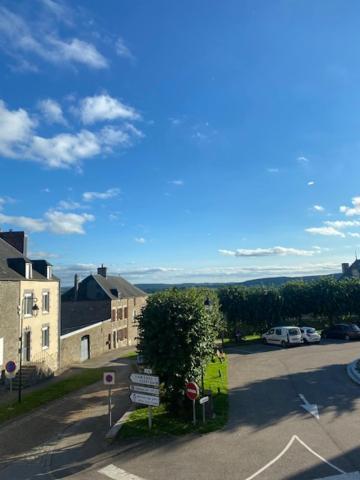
<point>35,310</point>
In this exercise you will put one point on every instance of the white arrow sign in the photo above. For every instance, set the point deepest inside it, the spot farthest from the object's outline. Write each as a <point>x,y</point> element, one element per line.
<point>142,389</point>
<point>145,399</point>
<point>145,379</point>
<point>310,407</point>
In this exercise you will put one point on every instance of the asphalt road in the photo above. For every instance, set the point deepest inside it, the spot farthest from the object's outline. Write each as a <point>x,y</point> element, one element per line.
<point>269,434</point>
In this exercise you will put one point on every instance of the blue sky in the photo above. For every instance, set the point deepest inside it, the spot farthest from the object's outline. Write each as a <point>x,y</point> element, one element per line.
<point>182,141</point>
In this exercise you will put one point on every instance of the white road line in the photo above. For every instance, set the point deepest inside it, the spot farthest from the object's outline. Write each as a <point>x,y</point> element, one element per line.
<point>292,440</point>
<point>312,408</point>
<point>116,473</point>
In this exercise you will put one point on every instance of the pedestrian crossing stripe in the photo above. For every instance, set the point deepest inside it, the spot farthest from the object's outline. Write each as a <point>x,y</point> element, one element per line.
<point>116,473</point>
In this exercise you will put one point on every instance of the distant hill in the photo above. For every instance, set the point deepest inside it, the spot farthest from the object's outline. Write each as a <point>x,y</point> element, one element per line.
<point>258,282</point>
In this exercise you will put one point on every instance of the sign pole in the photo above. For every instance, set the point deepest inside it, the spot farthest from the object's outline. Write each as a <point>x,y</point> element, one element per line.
<point>194,413</point>
<point>150,417</point>
<point>110,420</point>
<point>11,385</point>
<point>204,421</point>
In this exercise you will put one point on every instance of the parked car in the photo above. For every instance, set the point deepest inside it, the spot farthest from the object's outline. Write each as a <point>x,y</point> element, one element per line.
<point>310,335</point>
<point>284,336</point>
<point>346,331</point>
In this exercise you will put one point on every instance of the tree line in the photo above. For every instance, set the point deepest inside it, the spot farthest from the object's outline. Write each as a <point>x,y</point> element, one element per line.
<point>323,302</point>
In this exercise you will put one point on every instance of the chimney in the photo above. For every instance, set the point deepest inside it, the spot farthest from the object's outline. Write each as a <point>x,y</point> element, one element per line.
<point>76,286</point>
<point>102,270</point>
<point>345,268</point>
<point>17,240</point>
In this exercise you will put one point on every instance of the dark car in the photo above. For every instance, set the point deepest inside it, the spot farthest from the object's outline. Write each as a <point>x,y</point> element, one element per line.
<point>345,331</point>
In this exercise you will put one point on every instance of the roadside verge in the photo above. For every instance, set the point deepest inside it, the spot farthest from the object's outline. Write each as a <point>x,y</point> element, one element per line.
<point>353,370</point>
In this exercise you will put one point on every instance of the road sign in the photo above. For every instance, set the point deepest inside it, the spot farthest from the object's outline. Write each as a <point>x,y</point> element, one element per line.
<point>10,367</point>
<point>148,371</point>
<point>109,378</point>
<point>10,374</point>
<point>145,399</point>
<point>145,379</point>
<point>192,390</point>
<point>203,400</point>
<point>142,389</point>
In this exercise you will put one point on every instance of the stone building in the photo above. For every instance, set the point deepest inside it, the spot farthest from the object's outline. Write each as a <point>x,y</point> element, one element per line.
<point>98,314</point>
<point>29,299</point>
<point>351,271</point>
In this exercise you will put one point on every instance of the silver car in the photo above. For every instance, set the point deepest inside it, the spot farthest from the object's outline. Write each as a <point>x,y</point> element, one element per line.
<point>310,335</point>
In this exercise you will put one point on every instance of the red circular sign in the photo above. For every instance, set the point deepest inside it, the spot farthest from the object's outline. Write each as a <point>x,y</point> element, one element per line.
<point>192,390</point>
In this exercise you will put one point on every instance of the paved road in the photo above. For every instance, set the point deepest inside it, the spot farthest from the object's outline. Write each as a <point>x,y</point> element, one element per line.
<point>269,434</point>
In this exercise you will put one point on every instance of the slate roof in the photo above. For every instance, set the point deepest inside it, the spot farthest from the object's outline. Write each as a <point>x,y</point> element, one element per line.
<point>109,285</point>
<point>7,253</point>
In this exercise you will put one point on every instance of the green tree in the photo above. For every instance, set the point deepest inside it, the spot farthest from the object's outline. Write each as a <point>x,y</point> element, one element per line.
<point>177,331</point>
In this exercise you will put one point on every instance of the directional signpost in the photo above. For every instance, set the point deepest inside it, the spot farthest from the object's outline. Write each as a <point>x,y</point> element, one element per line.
<point>202,402</point>
<point>145,391</point>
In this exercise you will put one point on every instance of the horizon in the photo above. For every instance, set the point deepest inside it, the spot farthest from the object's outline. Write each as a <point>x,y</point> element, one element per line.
<point>182,143</point>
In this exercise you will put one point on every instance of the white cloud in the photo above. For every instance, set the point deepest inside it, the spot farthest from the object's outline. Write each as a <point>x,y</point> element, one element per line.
<point>16,128</point>
<point>109,193</point>
<point>311,183</point>
<point>354,210</point>
<point>178,183</point>
<point>67,223</point>
<point>19,38</point>
<point>140,240</point>
<point>42,254</point>
<point>272,170</point>
<point>326,231</point>
<point>354,234</point>
<point>52,111</point>
<point>5,200</point>
<point>318,208</point>
<point>338,224</point>
<point>122,50</point>
<point>265,252</point>
<point>303,160</point>
<point>69,205</point>
<point>54,221</point>
<point>103,107</point>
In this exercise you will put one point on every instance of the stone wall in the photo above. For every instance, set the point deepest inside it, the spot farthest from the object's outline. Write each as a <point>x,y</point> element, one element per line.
<point>9,322</point>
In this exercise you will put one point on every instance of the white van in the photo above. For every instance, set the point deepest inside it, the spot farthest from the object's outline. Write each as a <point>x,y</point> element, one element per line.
<point>284,336</point>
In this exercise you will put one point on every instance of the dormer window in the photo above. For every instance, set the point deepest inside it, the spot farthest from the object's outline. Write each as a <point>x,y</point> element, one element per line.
<point>48,272</point>
<point>28,270</point>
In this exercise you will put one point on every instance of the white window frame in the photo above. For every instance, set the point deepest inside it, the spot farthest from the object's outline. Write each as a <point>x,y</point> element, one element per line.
<point>45,328</point>
<point>28,270</point>
<point>45,294</point>
<point>48,272</point>
<point>26,296</point>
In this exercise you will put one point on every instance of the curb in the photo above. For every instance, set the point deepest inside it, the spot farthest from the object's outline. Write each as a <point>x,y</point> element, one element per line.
<point>353,372</point>
<point>114,430</point>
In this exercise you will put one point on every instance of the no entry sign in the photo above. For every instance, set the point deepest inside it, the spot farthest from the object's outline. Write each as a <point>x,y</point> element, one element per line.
<point>192,390</point>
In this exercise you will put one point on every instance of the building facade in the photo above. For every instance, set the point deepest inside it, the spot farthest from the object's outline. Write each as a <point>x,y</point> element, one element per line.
<point>97,315</point>
<point>29,297</point>
<point>351,271</point>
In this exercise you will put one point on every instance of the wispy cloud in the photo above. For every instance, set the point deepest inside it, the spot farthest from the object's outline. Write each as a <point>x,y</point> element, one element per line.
<point>141,240</point>
<point>302,160</point>
<point>338,224</point>
<point>354,234</point>
<point>52,111</point>
<point>122,50</point>
<point>272,170</point>
<point>352,211</point>
<point>266,252</point>
<point>103,107</point>
<point>311,183</point>
<point>325,231</point>
<point>318,208</point>
<point>109,193</point>
<point>178,183</point>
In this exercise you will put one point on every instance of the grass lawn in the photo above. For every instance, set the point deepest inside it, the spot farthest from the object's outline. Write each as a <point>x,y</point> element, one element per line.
<point>51,392</point>
<point>165,424</point>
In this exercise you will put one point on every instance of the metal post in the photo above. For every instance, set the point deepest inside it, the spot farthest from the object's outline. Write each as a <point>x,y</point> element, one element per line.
<point>10,385</point>
<point>194,413</point>
<point>203,405</point>
<point>20,349</point>
<point>110,419</point>
<point>150,416</point>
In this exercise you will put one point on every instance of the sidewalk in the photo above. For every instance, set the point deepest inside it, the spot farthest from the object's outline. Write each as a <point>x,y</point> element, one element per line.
<point>107,359</point>
<point>70,429</point>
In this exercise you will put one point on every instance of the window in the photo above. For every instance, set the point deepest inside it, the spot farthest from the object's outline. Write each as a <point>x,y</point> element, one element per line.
<point>113,315</point>
<point>46,302</point>
<point>28,270</point>
<point>278,331</point>
<point>48,272</point>
<point>126,312</point>
<point>134,301</point>
<point>120,314</point>
<point>134,315</point>
<point>28,304</point>
<point>45,336</point>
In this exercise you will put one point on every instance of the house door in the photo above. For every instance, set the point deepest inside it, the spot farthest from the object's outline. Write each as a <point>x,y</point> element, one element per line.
<point>27,346</point>
<point>85,348</point>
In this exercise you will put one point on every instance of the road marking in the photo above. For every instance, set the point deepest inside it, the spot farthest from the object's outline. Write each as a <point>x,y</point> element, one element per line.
<point>312,408</point>
<point>292,440</point>
<point>116,473</point>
